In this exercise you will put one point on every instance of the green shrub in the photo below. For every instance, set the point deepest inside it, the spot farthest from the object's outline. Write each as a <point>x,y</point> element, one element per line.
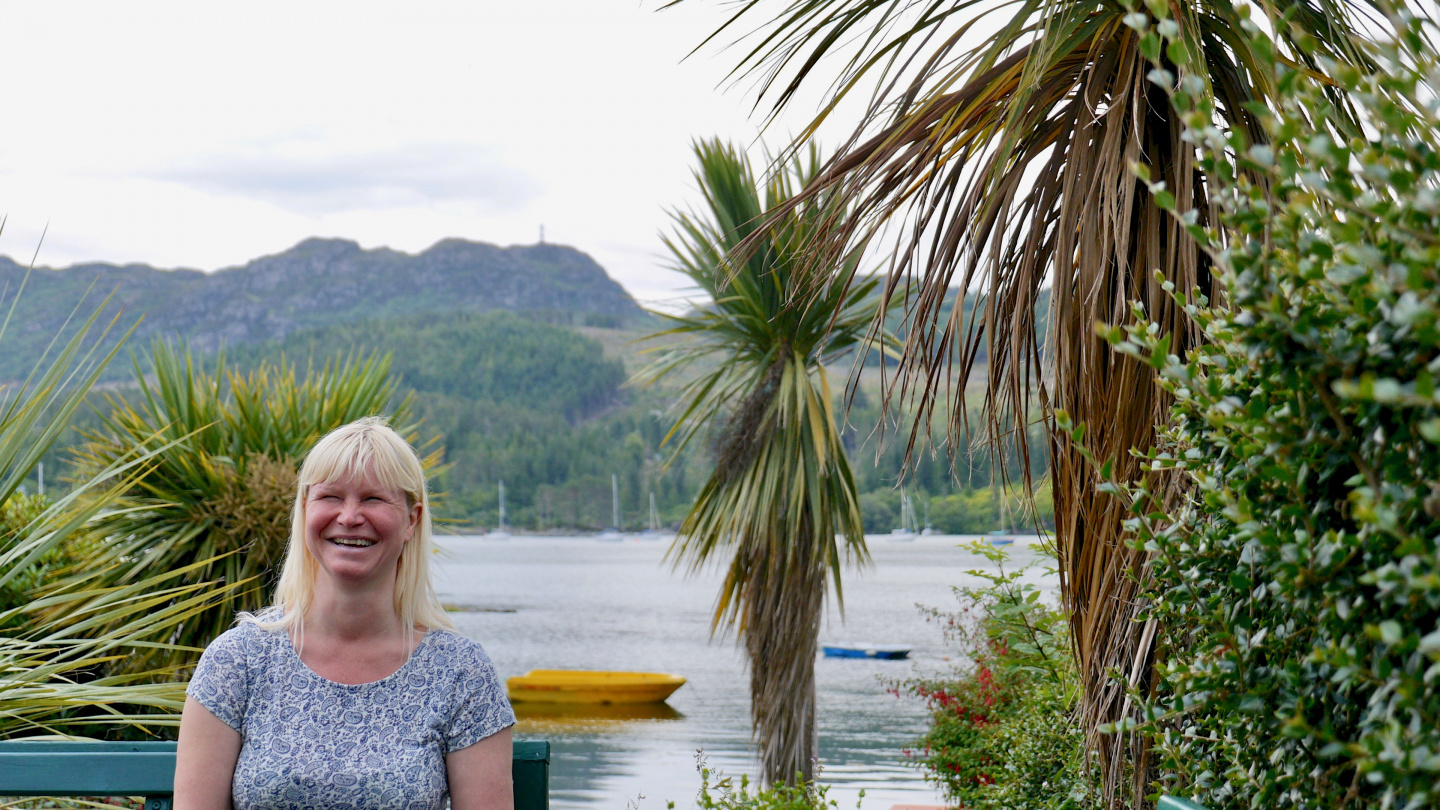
<point>17,513</point>
<point>1002,732</point>
<point>1298,585</point>
<point>721,792</point>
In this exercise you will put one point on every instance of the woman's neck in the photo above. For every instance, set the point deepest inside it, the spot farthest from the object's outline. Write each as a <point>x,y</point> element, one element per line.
<point>353,615</point>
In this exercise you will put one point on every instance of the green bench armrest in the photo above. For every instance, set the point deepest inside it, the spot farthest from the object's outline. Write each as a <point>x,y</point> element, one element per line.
<point>74,768</point>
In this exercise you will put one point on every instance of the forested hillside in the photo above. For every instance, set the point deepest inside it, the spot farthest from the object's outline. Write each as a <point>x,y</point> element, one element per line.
<point>514,399</point>
<point>543,406</point>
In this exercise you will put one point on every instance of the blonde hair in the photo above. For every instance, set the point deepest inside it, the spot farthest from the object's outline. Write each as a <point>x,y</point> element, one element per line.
<point>366,447</point>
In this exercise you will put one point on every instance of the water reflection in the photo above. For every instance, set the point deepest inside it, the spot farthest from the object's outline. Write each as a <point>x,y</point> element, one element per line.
<point>540,719</point>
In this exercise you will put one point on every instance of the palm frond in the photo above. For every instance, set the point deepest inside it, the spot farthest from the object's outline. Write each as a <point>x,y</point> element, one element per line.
<point>49,677</point>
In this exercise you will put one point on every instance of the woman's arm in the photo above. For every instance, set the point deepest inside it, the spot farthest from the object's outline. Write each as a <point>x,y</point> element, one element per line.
<point>479,775</point>
<point>204,759</point>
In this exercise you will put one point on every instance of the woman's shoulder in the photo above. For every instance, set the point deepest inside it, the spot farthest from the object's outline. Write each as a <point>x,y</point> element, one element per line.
<point>248,635</point>
<point>451,650</point>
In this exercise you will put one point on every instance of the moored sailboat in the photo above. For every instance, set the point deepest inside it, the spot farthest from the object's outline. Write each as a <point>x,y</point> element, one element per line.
<point>613,533</point>
<point>500,532</point>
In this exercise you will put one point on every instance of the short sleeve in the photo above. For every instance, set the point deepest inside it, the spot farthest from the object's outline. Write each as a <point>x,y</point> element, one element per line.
<point>482,708</point>
<point>221,682</point>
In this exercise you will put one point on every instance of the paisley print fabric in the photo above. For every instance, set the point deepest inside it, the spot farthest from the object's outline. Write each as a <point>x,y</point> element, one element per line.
<point>309,742</point>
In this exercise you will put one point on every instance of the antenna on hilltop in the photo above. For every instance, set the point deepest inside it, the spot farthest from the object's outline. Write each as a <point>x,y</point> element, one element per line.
<point>542,234</point>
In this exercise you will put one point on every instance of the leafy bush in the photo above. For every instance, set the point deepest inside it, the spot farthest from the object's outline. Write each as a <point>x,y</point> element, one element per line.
<point>1298,586</point>
<point>723,793</point>
<point>17,513</point>
<point>1002,732</point>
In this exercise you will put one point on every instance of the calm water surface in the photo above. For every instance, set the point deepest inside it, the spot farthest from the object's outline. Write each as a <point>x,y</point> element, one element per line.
<point>581,603</point>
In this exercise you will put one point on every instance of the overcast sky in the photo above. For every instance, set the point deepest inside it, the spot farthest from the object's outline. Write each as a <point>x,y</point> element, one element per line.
<point>205,134</point>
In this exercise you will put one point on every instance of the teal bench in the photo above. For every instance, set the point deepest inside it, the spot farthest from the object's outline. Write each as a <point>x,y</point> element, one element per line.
<point>148,769</point>
<point>1172,803</point>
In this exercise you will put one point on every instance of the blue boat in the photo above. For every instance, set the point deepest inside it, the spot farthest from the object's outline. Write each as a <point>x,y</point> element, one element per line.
<point>858,650</point>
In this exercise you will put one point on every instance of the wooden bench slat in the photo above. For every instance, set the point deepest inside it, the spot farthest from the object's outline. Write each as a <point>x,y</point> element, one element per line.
<point>87,774</point>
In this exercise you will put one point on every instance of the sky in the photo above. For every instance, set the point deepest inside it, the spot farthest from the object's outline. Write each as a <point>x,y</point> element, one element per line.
<point>203,135</point>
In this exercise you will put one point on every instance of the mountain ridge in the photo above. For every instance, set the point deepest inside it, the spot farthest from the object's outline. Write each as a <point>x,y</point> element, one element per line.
<point>319,281</point>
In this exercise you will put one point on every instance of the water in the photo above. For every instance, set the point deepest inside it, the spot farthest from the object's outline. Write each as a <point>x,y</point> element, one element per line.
<point>580,603</point>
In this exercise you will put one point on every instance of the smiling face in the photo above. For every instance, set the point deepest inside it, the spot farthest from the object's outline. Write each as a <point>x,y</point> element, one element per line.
<point>355,529</point>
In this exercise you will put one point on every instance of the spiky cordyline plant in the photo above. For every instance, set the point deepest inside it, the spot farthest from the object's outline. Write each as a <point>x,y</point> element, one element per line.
<point>780,507</point>
<point>1007,158</point>
<point>216,499</point>
<point>49,662</point>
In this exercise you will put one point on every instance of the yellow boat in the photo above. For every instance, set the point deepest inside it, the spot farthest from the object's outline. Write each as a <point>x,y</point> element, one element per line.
<point>588,686</point>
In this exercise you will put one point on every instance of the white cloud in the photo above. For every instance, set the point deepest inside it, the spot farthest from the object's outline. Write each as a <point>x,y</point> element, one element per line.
<point>317,181</point>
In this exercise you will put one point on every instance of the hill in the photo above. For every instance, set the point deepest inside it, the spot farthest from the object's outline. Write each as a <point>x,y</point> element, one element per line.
<point>513,399</point>
<point>319,282</point>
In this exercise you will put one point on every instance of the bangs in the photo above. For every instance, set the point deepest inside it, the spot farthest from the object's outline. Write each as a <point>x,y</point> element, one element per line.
<point>365,449</point>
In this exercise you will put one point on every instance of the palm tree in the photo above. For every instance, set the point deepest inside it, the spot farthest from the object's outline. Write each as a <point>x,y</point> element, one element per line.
<point>1006,161</point>
<point>782,495</point>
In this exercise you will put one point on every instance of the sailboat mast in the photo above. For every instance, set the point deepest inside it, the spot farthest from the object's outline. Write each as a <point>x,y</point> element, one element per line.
<point>502,506</point>
<point>615,499</point>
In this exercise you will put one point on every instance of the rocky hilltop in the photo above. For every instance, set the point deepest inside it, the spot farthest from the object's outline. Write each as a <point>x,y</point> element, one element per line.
<point>316,283</point>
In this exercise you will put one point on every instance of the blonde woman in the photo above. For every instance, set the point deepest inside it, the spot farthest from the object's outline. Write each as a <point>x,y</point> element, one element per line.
<point>352,690</point>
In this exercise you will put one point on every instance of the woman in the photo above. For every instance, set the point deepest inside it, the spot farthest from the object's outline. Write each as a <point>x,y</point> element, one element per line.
<point>352,690</point>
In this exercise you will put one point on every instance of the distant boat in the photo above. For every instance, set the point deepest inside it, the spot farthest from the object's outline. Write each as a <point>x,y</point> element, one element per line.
<point>906,531</point>
<point>652,532</point>
<point>856,649</point>
<point>929,530</point>
<point>1001,536</point>
<point>499,532</point>
<point>613,533</point>
<point>590,686</point>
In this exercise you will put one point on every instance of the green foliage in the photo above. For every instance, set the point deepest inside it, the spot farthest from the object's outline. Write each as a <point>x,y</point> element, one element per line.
<point>1298,586</point>
<point>723,793</point>
<point>214,501</point>
<point>1002,730</point>
<point>17,513</point>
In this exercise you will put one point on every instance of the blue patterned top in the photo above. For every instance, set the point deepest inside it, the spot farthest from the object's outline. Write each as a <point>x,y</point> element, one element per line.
<point>309,742</point>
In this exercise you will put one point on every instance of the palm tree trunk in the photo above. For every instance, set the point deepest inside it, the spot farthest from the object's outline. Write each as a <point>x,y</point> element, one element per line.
<point>1121,241</point>
<point>781,631</point>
